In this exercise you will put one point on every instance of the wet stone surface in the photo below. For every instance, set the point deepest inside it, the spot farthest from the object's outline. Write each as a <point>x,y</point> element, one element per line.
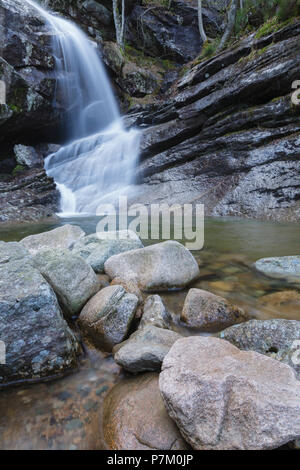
<point>64,414</point>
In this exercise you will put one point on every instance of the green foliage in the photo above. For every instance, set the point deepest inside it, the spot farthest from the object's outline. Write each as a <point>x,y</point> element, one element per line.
<point>208,50</point>
<point>267,15</point>
<point>288,9</point>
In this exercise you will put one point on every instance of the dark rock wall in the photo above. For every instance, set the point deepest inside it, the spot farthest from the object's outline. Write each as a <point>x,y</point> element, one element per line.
<point>229,136</point>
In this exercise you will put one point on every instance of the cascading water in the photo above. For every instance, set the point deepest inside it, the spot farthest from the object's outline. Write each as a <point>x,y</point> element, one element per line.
<point>100,156</point>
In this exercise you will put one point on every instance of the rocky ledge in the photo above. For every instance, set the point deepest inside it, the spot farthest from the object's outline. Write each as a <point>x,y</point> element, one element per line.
<point>229,135</point>
<point>28,197</point>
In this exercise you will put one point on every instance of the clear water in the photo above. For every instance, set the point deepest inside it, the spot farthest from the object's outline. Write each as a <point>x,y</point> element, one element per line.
<point>99,156</point>
<point>66,414</point>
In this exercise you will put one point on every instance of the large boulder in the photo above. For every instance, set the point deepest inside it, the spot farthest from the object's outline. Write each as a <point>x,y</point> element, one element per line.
<point>163,266</point>
<point>96,250</point>
<point>145,349</point>
<point>137,81</point>
<point>71,278</point>
<point>281,267</point>
<point>106,318</point>
<point>59,238</point>
<point>279,339</point>
<point>135,417</point>
<point>209,312</point>
<point>28,156</point>
<point>222,398</point>
<point>39,343</point>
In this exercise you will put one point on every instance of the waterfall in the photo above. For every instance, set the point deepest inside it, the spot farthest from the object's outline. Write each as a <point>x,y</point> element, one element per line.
<point>99,157</point>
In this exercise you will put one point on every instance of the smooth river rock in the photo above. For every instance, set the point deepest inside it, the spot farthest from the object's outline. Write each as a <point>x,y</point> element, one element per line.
<point>163,266</point>
<point>222,398</point>
<point>39,343</point>
<point>154,313</point>
<point>59,238</point>
<point>279,339</point>
<point>96,250</point>
<point>106,318</point>
<point>284,266</point>
<point>135,417</point>
<point>145,349</point>
<point>209,312</point>
<point>71,277</point>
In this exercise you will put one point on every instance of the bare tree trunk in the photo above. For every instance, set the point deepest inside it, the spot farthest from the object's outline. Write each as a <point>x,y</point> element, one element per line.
<point>230,24</point>
<point>200,22</point>
<point>119,22</point>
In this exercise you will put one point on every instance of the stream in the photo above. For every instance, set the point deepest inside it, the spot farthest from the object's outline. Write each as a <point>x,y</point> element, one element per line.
<point>66,413</point>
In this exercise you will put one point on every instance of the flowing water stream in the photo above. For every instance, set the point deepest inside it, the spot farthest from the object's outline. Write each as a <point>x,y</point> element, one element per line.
<point>99,157</point>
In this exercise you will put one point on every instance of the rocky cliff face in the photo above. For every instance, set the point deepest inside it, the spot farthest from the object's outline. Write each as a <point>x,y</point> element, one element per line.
<point>229,135</point>
<point>26,66</point>
<point>27,113</point>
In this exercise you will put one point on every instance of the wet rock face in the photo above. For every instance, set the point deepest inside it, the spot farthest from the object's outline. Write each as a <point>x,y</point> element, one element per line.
<point>174,33</point>
<point>279,339</point>
<point>27,68</point>
<point>29,196</point>
<point>228,137</point>
<point>222,398</point>
<point>38,341</point>
<point>135,417</point>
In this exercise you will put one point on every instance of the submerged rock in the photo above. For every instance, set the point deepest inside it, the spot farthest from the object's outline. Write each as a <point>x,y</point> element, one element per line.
<point>209,312</point>
<point>279,339</point>
<point>135,417</point>
<point>282,267</point>
<point>96,250</point>
<point>222,398</point>
<point>163,266</point>
<point>106,318</point>
<point>59,238</point>
<point>39,343</point>
<point>71,278</point>
<point>145,349</point>
<point>283,304</point>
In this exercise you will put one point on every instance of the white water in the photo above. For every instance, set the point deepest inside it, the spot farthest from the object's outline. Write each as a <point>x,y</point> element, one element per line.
<point>100,156</point>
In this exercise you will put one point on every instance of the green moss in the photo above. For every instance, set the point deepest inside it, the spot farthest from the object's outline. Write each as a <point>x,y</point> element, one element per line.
<point>15,109</point>
<point>267,28</point>
<point>18,169</point>
<point>208,50</point>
